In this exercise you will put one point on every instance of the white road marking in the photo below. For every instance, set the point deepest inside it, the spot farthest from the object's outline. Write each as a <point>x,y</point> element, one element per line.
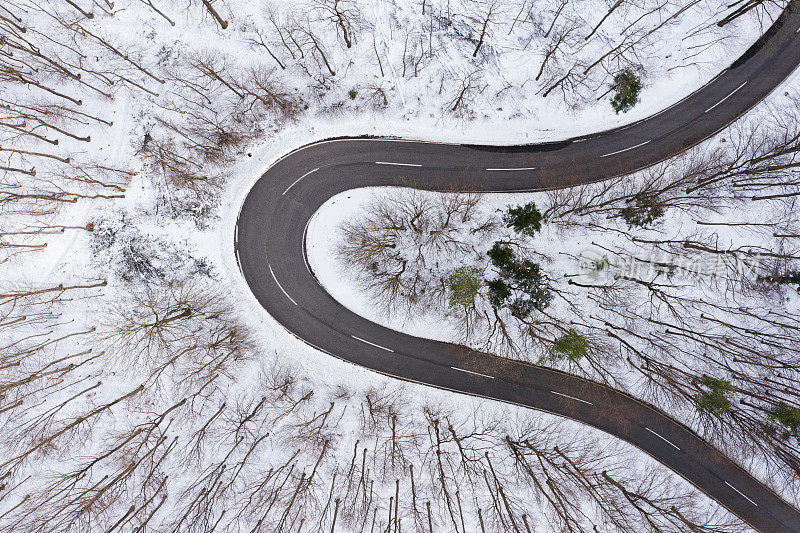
<point>626,149</point>
<point>279,285</point>
<point>509,169</point>
<point>732,93</point>
<point>471,372</point>
<point>662,438</point>
<point>579,140</point>
<point>305,254</point>
<point>380,140</point>
<point>397,164</point>
<point>571,397</point>
<point>298,179</point>
<point>741,494</point>
<point>372,344</point>
<point>239,261</point>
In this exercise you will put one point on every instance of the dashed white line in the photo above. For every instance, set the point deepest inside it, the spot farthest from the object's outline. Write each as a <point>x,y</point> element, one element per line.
<point>397,164</point>
<point>372,344</point>
<point>279,285</point>
<point>509,169</point>
<point>741,494</point>
<point>471,372</point>
<point>732,93</point>
<point>297,180</point>
<point>571,397</point>
<point>662,438</point>
<point>626,149</point>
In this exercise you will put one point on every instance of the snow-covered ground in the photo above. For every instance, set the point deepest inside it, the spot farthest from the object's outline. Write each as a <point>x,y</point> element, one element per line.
<point>155,228</point>
<point>559,248</point>
<point>325,239</point>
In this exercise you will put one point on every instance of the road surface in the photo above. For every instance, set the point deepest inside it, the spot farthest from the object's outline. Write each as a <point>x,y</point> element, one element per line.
<point>270,249</point>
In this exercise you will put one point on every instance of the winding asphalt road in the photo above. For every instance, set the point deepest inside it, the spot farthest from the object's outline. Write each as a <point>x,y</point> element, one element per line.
<point>270,249</point>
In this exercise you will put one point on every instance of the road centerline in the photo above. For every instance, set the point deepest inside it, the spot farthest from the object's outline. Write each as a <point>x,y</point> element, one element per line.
<point>372,344</point>
<point>731,94</point>
<point>298,180</point>
<point>626,149</point>
<point>471,372</point>
<point>509,169</point>
<point>741,494</point>
<point>662,438</point>
<point>397,164</point>
<point>571,397</point>
<point>280,286</point>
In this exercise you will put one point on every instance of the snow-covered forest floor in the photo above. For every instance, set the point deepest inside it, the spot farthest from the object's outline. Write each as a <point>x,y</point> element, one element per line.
<point>635,282</point>
<point>141,388</point>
